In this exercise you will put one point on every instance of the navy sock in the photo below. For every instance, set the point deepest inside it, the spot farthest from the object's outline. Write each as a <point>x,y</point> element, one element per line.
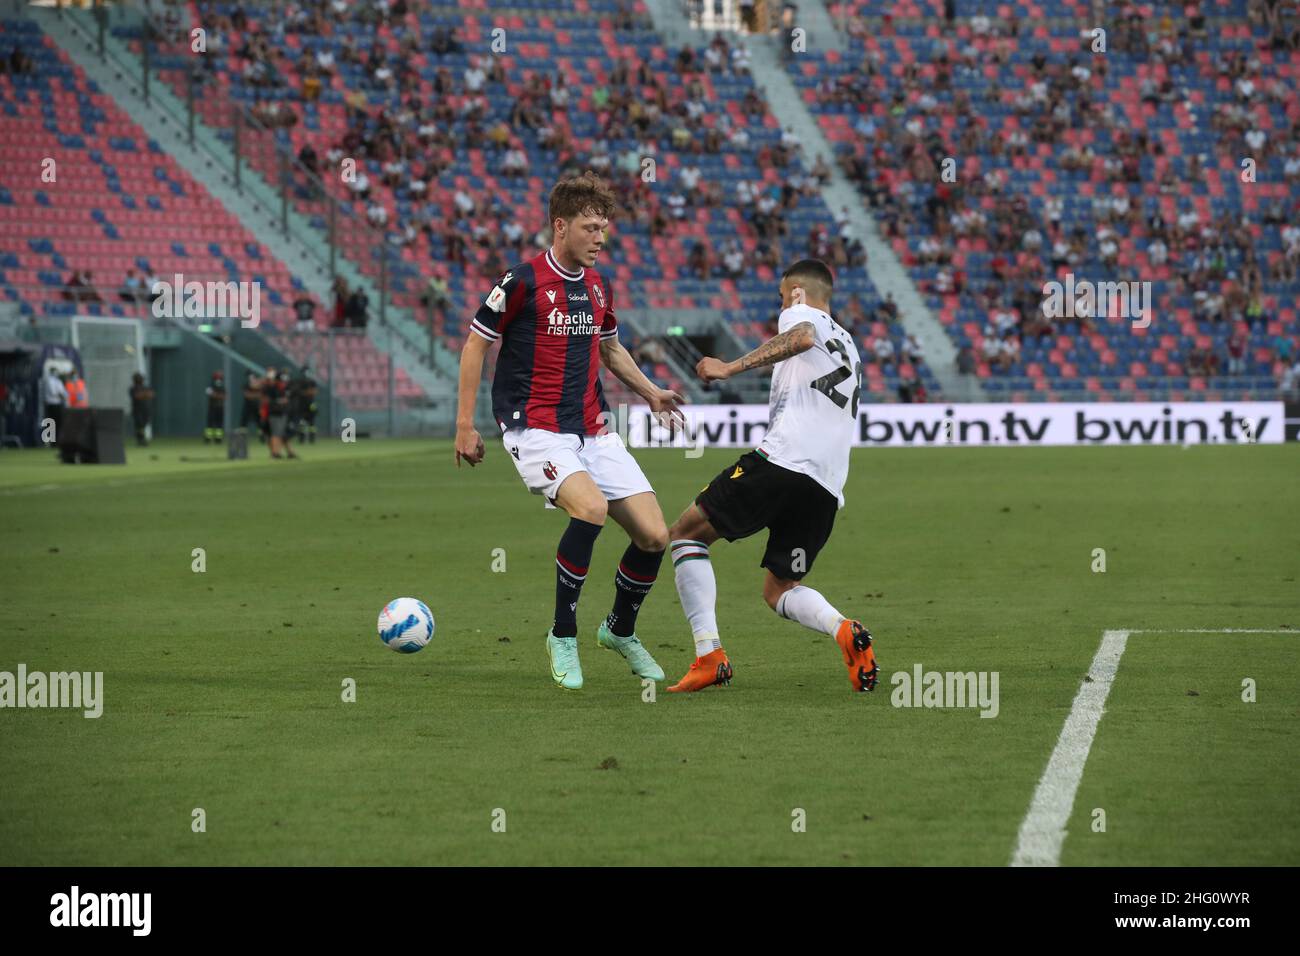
<point>571,562</point>
<point>632,582</point>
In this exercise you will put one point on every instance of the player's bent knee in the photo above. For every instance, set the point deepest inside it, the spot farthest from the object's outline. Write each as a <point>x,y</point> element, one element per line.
<point>774,587</point>
<point>690,525</point>
<point>656,540</point>
<point>592,512</point>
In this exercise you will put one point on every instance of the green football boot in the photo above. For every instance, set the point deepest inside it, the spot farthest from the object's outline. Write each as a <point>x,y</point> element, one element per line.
<point>643,665</point>
<point>565,669</point>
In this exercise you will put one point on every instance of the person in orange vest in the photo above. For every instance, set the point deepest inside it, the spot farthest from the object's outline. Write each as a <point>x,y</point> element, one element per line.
<point>78,397</point>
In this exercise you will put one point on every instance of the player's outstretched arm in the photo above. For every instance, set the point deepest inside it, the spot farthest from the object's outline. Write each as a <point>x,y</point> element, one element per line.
<point>791,342</point>
<point>624,368</point>
<point>469,443</point>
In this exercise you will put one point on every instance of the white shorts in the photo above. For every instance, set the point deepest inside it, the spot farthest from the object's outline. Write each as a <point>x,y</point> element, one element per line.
<point>544,459</point>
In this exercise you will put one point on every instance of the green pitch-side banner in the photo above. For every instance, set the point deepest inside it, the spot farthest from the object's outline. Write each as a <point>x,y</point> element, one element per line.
<point>1085,423</point>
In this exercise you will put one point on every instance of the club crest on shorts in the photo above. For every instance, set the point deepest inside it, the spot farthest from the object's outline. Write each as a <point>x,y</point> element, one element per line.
<point>549,471</point>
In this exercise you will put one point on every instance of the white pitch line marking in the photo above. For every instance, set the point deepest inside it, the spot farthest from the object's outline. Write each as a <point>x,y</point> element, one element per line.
<point>1042,832</point>
<point>1217,630</point>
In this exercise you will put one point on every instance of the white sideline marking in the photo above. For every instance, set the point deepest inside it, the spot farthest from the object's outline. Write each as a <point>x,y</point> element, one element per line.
<point>1216,630</point>
<point>1042,832</point>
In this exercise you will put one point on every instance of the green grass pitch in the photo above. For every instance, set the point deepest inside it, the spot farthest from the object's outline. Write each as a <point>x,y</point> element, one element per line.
<point>223,689</point>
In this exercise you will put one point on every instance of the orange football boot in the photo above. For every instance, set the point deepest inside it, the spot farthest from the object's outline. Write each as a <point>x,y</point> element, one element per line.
<point>855,641</point>
<point>712,668</point>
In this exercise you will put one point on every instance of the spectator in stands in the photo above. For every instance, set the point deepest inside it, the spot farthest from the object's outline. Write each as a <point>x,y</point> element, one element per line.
<point>821,170</point>
<point>913,353</point>
<point>991,347</point>
<point>853,316</point>
<point>360,186</point>
<point>340,290</point>
<point>311,163</point>
<point>275,115</point>
<point>152,285</point>
<point>512,235</point>
<point>325,64</point>
<point>748,16</point>
<point>474,76</point>
<point>73,288</point>
<point>784,33</point>
<point>304,309</point>
<point>1283,348</point>
<point>437,295</point>
<point>444,42</point>
<point>1008,352</point>
<point>1006,320</point>
<point>733,260</point>
<point>910,389</point>
<point>649,353</point>
<point>133,290</point>
<point>20,62</point>
<point>966,363</point>
<point>883,349</point>
<point>1237,351</point>
<point>515,163</point>
<point>465,205</point>
<point>453,240</point>
<point>888,309</point>
<point>405,235</point>
<point>1290,383</point>
<point>1202,362</point>
<point>928,250</point>
<point>698,260</point>
<point>88,292</point>
<point>358,309</point>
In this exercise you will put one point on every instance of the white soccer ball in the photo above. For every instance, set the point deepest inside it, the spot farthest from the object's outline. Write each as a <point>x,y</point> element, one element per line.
<point>405,625</point>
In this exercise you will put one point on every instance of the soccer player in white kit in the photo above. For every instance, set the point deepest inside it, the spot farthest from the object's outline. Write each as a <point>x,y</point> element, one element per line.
<point>792,484</point>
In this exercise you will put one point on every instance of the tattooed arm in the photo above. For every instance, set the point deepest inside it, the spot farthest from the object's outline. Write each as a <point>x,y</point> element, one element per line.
<point>788,343</point>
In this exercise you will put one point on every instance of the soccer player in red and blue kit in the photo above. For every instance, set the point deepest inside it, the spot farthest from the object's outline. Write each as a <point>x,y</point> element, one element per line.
<point>554,317</point>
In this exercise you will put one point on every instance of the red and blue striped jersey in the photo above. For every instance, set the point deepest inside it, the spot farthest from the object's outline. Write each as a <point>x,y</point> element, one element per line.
<point>550,322</point>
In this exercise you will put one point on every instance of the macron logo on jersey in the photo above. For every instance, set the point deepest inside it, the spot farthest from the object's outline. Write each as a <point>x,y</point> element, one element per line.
<point>550,294</point>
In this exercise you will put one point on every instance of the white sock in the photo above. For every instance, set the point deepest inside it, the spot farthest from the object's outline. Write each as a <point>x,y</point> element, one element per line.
<point>810,609</point>
<point>698,590</point>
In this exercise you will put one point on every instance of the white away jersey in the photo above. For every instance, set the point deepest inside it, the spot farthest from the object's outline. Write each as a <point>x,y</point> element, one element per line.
<point>814,404</point>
